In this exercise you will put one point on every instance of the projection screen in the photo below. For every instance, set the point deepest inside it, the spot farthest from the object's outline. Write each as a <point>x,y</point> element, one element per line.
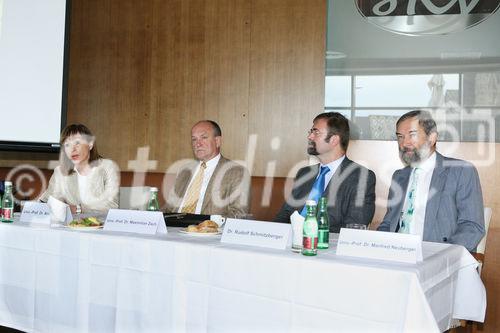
<point>33,59</point>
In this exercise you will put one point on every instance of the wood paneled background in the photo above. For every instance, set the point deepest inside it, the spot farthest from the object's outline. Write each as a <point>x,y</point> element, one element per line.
<point>143,72</point>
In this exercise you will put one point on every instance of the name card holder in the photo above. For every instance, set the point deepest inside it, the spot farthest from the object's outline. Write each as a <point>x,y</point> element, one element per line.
<point>380,245</point>
<point>135,221</point>
<point>256,233</point>
<point>35,212</point>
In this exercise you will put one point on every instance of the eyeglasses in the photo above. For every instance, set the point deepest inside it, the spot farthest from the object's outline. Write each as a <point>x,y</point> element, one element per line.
<point>314,131</point>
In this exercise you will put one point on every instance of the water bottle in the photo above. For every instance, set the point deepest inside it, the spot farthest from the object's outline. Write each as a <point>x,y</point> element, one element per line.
<point>310,232</point>
<point>8,204</point>
<point>323,224</point>
<point>153,200</point>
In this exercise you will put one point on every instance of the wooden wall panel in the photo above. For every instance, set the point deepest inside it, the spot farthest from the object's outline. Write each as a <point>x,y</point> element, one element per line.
<point>143,72</point>
<point>109,77</point>
<point>286,79</point>
<point>491,278</point>
<point>39,160</point>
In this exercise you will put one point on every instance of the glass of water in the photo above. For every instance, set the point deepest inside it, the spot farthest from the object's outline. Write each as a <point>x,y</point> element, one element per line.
<point>358,226</point>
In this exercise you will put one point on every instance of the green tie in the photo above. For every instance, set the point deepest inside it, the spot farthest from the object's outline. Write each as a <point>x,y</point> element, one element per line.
<point>409,207</point>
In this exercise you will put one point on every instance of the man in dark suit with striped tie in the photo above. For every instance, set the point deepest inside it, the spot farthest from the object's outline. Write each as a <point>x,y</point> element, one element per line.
<point>348,186</point>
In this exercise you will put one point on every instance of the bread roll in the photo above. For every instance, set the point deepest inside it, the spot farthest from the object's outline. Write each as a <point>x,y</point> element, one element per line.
<point>208,224</point>
<point>192,228</point>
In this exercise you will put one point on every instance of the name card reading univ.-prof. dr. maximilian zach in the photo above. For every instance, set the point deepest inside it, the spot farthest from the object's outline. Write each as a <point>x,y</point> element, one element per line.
<point>255,233</point>
<point>136,221</point>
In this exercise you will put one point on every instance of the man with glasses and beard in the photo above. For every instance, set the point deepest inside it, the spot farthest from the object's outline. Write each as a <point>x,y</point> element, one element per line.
<point>436,197</point>
<point>348,187</point>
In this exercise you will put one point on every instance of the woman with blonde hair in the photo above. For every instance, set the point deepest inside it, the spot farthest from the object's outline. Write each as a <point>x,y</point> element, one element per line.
<point>84,180</point>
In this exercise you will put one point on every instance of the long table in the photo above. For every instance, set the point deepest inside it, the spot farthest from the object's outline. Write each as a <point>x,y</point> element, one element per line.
<point>62,280</point>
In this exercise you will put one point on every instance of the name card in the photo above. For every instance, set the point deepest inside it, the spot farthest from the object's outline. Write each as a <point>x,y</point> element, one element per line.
<point>136,221</point>
<point>255,233</point>
<point>35,212</point>
<point>59,211</point>
<point>380,245</point>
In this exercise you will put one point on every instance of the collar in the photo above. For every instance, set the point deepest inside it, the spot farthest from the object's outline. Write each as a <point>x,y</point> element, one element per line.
<point>80,175</point>
<point>212,162</point>
<point>334,164</point>
<point>429,164</point>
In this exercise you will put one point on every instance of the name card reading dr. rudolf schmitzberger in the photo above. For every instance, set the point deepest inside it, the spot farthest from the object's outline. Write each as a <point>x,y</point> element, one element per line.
<point>136,221</point>
<point>256,233</point>
<point>379,245</point>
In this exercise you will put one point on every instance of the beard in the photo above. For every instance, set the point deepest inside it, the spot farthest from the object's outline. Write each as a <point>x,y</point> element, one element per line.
<point>413,157</point>
<point>311,148</point>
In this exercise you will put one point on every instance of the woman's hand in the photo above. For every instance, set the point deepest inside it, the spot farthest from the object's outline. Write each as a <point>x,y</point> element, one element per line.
<point>73,209</point>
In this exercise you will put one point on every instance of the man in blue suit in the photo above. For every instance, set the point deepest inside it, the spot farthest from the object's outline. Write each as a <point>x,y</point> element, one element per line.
<point>434,196</point>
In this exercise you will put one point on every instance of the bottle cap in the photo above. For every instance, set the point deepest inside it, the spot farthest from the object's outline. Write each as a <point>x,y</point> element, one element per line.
<point>8,183</point>
<point>153,189</point>
<point>311,203</point>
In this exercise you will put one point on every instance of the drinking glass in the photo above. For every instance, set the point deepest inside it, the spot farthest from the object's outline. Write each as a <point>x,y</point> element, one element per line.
<point>358,226</point>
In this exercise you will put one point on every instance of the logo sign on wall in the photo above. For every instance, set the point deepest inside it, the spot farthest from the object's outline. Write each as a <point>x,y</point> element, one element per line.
<point>426,17</point>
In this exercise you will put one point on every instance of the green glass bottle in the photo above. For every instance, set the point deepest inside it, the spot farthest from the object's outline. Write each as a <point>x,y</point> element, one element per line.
<point>8,204</point>
<point>310,233</point>
<point>323,224</point>
<point>153,200</point>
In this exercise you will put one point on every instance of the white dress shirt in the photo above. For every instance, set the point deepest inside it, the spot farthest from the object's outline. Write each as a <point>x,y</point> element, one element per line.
<point>333,166</point>
<point>209,170</point>
<point>422,194</point>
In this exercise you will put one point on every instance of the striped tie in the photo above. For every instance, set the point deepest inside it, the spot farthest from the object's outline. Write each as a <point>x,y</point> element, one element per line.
<point>407,214</point>
<point>193,192</point>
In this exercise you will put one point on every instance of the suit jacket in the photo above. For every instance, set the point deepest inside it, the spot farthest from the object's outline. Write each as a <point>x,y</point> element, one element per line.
<point>454,211</point>
<point>103,184</point>
<point>350,194</point>
<point>227,191</point>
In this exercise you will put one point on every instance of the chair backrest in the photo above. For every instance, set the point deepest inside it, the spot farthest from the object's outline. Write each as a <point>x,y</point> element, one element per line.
<point>487,217</point>
<point>135,197</point>
<point>267,196</point>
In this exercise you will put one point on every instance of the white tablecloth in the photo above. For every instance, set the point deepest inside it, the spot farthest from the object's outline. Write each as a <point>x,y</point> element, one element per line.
<point>61,280</point>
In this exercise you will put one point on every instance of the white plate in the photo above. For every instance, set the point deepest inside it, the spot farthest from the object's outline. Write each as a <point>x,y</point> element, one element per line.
<point>200,234</point>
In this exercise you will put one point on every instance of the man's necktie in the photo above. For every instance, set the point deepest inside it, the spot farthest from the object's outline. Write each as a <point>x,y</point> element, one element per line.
<point>193,192</point>
<point>317,188</point>
<point>409,206</point>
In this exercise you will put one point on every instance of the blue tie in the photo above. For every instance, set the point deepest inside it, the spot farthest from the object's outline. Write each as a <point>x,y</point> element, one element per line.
<point>317,188</point>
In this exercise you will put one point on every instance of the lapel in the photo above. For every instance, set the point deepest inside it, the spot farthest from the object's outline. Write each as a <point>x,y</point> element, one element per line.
<point>402,179</point>
<point>438,181</point>
<point>184,178</point>
<point>207,199</point>
<point>310,174</point>
<point>334,183</point>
